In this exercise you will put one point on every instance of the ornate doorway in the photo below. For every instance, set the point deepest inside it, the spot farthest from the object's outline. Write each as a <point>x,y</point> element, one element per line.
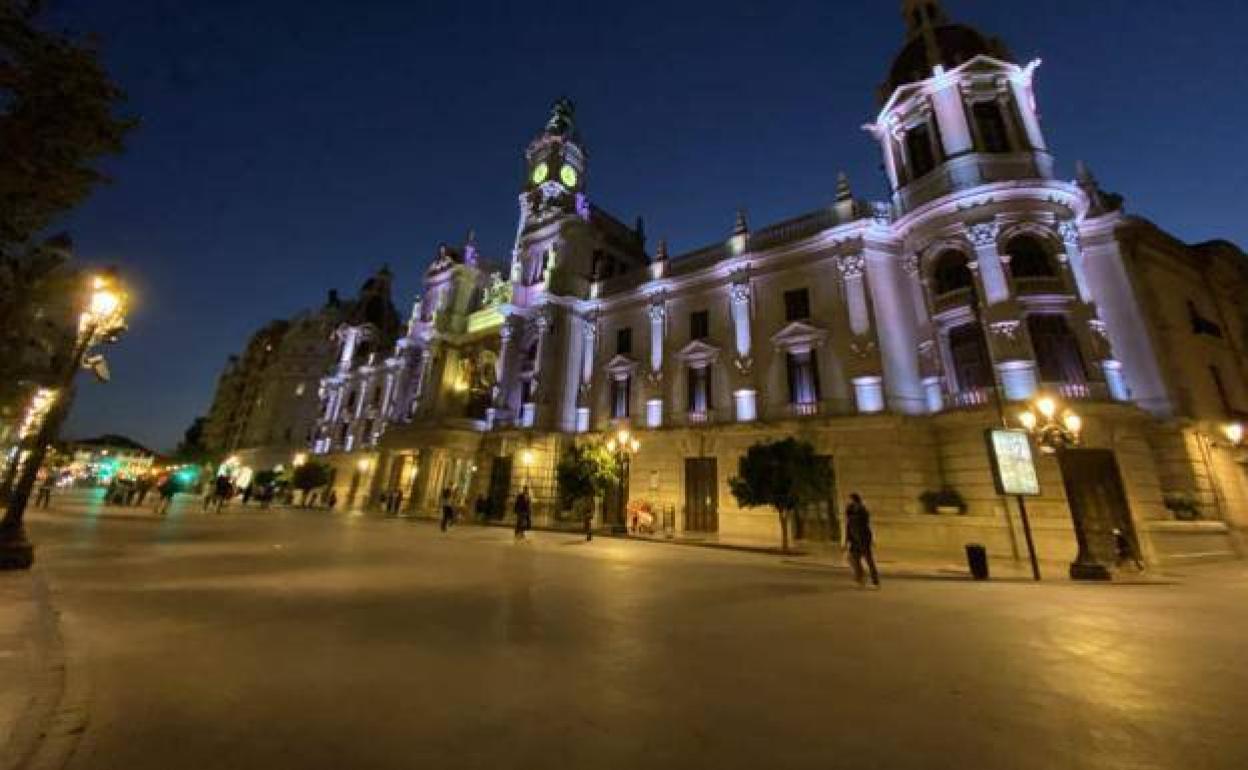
<point>701,495</point>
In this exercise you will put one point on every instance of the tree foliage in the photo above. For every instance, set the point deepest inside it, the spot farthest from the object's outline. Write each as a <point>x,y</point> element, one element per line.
<point>309,476</point>
<point>586,470</point>
<point>785,475</point>
<point>57,117</point>
<point>191,449</point>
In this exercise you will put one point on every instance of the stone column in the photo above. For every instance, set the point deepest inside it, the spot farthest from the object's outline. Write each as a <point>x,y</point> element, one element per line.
<point>864,364</point>
<point>589,332</point>
<point>1073,258</point>
<point>995,287</point>
<point>658,328</point>
<point>1025,101</point>
<point>930,368</point>
<point>950,112</point>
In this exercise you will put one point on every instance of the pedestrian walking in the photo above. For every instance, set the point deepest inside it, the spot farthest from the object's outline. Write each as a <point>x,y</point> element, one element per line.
<point>247,493</point>
<point>398,502</point>
<point>223,492</point>
<point>331,499</point>
<point>524,514</point>
<point>167,489</point>
<point>1125,551</point>
<point>587,518</point>
<point>448,509</point>
<point>144,486</point>
<point>43,498</point>
<point>859,540</point>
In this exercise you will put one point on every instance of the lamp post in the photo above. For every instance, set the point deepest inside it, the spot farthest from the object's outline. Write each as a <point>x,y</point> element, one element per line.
<point>623,445</point>
<point>1056,429</point>
<point>101,320</point>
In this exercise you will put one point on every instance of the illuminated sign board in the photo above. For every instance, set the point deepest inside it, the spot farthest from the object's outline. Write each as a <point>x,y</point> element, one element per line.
<point>1013,466</point>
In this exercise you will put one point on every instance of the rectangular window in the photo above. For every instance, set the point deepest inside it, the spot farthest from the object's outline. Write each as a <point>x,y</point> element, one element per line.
<point>624,341</point>
<point>699,391</point>
<point>919,151</point>
<point>796,305</point>
<point>1200,324</point>
<point>991,124</point>
<point>1058,357</point>
<point>803,378</point>
<point>971,368</point>
<point>620,398</point>
<point>699,325</point>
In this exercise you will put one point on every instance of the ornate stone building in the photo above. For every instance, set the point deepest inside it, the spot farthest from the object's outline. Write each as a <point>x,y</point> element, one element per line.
<point>890,334</point>
<point>266,406</point>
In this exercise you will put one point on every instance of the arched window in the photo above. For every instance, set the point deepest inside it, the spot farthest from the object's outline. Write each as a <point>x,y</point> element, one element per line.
<point>951,272</point>
<point>1029,258</point>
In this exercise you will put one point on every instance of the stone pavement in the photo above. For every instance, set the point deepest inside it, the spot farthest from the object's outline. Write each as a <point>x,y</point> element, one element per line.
<point>31,666</point>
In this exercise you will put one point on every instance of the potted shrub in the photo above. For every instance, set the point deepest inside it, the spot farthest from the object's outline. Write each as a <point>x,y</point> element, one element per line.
<point>945,500</point>
<point>1183,505</point>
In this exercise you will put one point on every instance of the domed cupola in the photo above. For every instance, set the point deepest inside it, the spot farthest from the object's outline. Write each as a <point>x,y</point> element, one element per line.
<point>957,112</point>
<point>932,40</point>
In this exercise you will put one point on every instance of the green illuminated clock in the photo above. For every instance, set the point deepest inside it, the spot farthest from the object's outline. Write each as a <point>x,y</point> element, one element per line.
<point>568,175</point>
<point>540,172</point>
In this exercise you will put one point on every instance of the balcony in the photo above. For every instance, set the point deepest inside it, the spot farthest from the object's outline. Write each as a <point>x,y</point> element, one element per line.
<point>697,418</point>
<point>810,409</point>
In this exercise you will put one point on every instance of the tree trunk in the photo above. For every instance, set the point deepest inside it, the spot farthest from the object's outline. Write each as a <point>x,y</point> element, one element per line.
<point>784,531</point>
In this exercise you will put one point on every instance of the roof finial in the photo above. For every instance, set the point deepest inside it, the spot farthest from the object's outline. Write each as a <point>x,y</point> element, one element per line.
<point>740,227</point>
<point>562,120</point>
<point>1099,201</point>
<point>660,251</point>
<point>843,190</point>
<point>922,18</point>
<point>470,248</point>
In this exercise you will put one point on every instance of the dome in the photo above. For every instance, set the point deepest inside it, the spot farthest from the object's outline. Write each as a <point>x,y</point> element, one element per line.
<point>957,44</point>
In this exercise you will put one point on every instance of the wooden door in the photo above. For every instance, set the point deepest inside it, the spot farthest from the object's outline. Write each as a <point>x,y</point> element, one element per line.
<point>500,487</point>
<point>701,495</point>
<point>1098,501</point>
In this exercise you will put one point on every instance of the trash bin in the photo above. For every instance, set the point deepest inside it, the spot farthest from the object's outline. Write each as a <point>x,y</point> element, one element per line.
<point>977,560</point>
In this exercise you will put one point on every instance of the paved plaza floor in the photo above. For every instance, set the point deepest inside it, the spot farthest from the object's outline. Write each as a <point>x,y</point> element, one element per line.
<point>307,639</point>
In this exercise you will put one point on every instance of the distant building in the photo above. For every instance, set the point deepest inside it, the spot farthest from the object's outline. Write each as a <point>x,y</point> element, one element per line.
<point>886,333</point>
<point>265,408</point>
<point>101,459</point>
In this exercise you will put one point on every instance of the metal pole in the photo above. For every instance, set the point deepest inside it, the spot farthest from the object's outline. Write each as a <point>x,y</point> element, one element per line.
<point>1031,545</point>
<point>999,400</point>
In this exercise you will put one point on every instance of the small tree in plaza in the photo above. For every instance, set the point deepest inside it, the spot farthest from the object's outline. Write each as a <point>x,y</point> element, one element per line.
<point>586,471</point>
<point>309,476</point>
<point>785,475</point>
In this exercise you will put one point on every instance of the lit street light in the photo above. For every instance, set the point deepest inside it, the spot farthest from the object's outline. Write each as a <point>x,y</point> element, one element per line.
<point>102,320</point>
<point>623,445</point>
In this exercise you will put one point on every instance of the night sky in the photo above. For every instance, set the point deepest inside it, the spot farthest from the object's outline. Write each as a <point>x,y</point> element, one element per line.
<point>291,146</point>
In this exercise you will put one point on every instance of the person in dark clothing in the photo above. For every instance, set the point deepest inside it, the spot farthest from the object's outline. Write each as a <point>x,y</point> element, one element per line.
<point>859,540</point>
<point>448,509</point>
<point>43,498</point>
<point>481,508</point>
<point>1125,551</point>
<point>524,514</point>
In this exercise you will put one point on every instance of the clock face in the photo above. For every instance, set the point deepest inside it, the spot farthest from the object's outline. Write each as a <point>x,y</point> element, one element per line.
<point>540,172</point>
<point>568,175</point>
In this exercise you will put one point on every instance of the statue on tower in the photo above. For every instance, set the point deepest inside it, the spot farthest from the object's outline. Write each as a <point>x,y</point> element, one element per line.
<point>562,121</point>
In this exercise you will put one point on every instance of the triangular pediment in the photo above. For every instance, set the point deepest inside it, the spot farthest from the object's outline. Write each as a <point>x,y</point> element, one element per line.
<point>799,334</point>
<point>621,365</point>
<point>698,352</point>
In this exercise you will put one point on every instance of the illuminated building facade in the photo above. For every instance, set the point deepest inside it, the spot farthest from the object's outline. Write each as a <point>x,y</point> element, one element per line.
<point>890,334</point>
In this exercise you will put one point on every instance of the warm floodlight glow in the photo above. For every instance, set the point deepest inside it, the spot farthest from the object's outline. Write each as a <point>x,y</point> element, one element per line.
<point>363,465</point>
<point>610,445</point>
<point>1047,407</point>
<point>1073,422</point>
<point>634,445</point>
<point>526,457</point>
<point>1028,420</point>
<point>299,459</point>
<point>1234,432</point>
<point>623,436</point>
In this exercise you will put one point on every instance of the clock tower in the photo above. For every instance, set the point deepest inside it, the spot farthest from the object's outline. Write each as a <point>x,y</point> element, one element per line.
<point>555,159</point>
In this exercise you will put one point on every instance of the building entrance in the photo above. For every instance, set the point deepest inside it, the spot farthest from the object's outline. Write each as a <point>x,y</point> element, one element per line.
<point>1098,506</point>
<point>701,495</point>
<point>500,488</point>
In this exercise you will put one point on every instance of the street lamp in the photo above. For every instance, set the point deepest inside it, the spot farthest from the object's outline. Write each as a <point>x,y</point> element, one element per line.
<point>1055,430</point>
<point>1234,432</point>
<point>623,445</point>
<point>300,459</point>
<point>1052,433</point>
<point>101,320</point>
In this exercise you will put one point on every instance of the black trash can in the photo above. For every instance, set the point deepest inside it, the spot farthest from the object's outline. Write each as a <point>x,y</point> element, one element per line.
<point>977,560</point>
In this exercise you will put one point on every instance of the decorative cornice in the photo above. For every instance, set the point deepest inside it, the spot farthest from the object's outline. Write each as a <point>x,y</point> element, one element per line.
<point>1008,330</point>
<point>740,293</point>
<point>1069,231</point>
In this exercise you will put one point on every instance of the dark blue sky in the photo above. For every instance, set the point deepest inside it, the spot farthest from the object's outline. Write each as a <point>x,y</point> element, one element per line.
<point>290,146</point>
